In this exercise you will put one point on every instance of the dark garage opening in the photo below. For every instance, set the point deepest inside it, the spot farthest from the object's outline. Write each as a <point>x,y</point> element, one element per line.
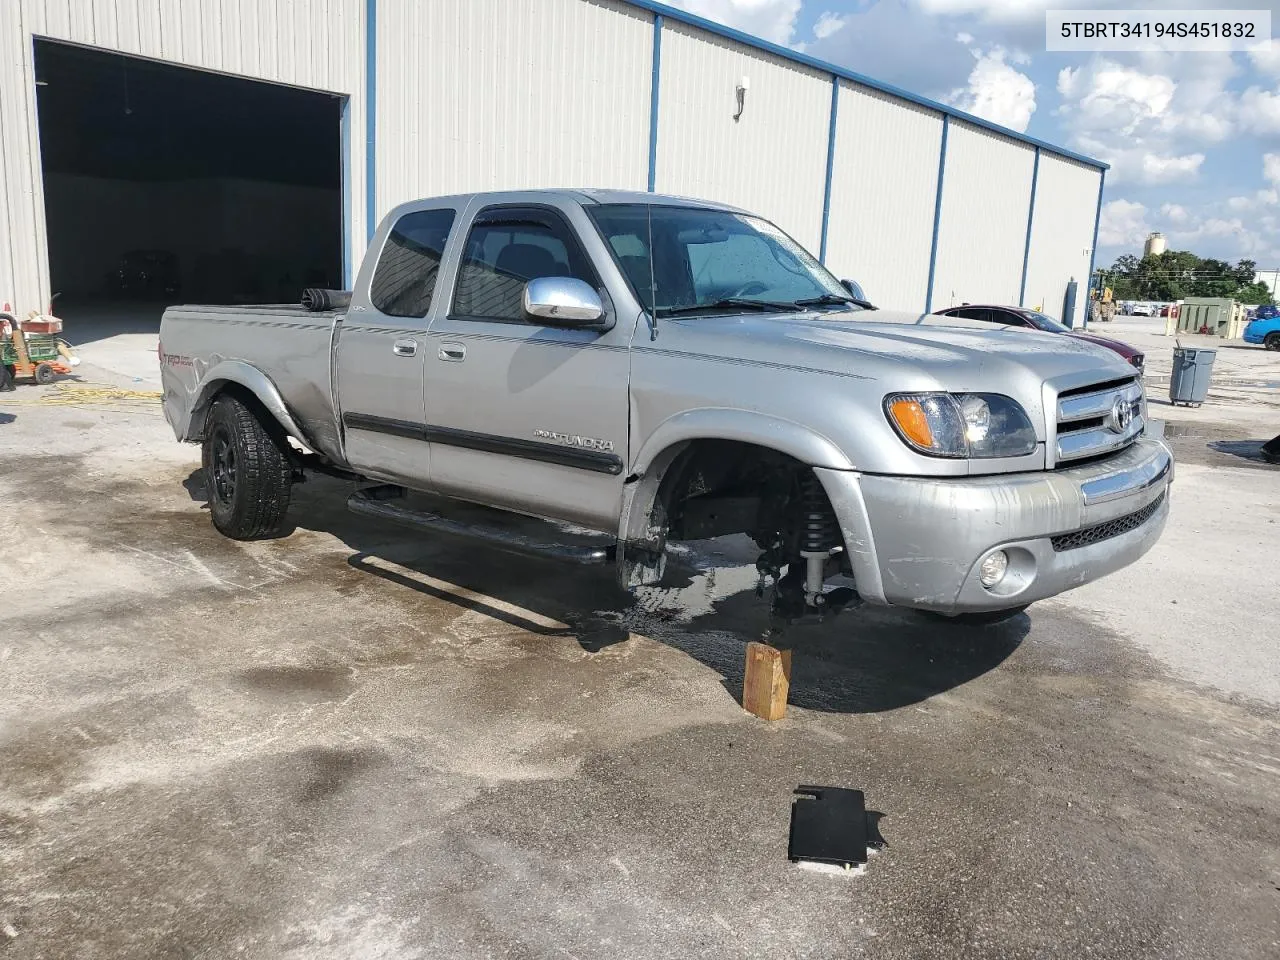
<point>167,185</point>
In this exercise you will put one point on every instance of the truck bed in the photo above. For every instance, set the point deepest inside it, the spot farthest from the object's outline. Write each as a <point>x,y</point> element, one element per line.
<point>290,345</point>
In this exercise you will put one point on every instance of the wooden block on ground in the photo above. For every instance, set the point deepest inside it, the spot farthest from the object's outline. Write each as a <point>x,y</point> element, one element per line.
<point>766,680</point>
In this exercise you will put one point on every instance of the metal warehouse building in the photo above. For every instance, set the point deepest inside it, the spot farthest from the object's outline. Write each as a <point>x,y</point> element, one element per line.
<point>233,150</point>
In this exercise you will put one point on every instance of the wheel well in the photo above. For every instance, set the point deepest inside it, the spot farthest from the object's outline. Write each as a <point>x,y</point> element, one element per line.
<point>229,388</point>
<point>715,488</point>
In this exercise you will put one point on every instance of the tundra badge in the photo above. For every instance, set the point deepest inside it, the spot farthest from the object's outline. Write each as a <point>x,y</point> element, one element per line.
<point>574,440</point>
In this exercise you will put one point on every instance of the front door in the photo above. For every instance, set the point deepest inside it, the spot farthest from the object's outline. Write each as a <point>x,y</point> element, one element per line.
<point>519,414</point>
<point>382,348</point>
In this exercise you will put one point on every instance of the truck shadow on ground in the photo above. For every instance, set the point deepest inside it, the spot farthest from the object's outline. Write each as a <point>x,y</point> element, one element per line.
<point>1250,450</point>
<point>865,660</point>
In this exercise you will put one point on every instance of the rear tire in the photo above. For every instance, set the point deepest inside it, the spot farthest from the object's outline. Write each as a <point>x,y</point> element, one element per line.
<point>247,471</point>
<point>45,374</point>
<point>1271,341</point>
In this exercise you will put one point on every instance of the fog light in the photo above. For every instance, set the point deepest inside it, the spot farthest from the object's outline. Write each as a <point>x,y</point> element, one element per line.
<point>993,568</point>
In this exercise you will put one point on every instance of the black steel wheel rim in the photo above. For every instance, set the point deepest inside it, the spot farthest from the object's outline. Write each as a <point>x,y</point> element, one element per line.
<point>222,464</point>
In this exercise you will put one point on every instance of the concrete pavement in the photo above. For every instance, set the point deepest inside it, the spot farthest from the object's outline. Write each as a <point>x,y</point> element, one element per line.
<point>359,743</point>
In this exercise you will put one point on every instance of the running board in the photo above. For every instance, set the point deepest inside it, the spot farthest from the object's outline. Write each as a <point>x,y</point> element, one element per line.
<point>373,502</point>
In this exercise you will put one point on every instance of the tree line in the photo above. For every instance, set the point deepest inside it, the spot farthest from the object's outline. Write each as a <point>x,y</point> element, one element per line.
<point>1178,274</point>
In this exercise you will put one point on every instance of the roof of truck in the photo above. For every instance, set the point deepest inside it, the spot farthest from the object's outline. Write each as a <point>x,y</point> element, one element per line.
<point>583,195</point>
<point>593,195</point>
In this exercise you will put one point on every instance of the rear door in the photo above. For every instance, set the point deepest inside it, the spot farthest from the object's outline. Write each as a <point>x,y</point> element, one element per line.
<point>523,415</point>
<point>381,349</point>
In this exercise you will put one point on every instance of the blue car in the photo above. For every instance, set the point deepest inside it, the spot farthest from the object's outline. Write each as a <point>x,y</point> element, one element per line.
<point>1265,331</point>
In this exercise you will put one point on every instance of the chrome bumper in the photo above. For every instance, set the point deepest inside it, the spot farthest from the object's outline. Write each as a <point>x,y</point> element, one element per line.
<point>918,542</point>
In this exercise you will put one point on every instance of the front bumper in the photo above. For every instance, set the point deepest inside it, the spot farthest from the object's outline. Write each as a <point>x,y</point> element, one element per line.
<point>918,542</point>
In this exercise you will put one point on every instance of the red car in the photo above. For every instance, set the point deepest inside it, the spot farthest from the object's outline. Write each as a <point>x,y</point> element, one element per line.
<point>1033,319</point>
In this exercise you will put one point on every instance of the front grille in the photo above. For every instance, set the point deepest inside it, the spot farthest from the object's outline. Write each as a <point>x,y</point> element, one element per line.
<point>1105,531</point>
<point>1096,420</point>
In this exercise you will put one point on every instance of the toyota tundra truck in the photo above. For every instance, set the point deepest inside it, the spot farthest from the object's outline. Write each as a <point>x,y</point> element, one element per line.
<point>658,369</point>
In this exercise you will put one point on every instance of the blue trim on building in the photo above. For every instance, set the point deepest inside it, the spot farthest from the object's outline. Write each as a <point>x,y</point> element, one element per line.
<point>937,213</point>
<point>370,115</point>
<point>1031,213</point>
<point>831,163</point>
<point>346,193</point>
<point>1093,251</point>
<point>653,101</point>
<point>831,68</point>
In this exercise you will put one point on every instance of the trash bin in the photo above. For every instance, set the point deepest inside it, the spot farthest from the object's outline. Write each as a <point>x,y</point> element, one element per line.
<point>1192,370</point>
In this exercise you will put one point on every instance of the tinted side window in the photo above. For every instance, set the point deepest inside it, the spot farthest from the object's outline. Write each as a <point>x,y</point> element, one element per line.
<point>507,248</point>
<point>1007,318</point>
<point>405,277</point>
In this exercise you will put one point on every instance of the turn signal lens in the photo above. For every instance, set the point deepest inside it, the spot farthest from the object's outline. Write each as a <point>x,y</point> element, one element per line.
<point>910,418</point>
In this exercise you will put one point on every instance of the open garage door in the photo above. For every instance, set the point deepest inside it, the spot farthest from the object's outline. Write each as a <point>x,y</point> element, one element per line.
<point>165,185</point>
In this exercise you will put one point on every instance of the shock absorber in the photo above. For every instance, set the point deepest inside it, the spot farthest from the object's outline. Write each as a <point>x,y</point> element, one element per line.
<point>819,535</point>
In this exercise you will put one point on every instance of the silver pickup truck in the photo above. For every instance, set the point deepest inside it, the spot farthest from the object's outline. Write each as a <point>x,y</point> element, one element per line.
<point>660,369</point>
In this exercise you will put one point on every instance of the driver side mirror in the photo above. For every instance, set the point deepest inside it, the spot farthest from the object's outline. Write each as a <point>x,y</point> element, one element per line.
<point>563,302</point>
<point>854,288</point>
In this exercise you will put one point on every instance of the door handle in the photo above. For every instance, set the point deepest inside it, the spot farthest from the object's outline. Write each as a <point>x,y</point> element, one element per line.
<point>452,351</point>
<point>405,348</point>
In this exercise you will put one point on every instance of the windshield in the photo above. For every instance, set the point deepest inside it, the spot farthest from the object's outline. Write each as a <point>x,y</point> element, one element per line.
<point>681,259</point>
<point>1043,322</point>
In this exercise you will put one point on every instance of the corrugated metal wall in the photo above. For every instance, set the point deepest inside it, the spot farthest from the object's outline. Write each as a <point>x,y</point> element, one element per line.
<point>510,94</point>
<point>883,189</point>
<point>487,94</point>
<point>1061,233</point>
<point>982,232</point>
<point>773,161</point>
<point>317,44</point>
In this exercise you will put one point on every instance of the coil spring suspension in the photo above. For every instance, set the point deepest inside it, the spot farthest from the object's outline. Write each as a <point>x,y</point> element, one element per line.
<point>820,531</point>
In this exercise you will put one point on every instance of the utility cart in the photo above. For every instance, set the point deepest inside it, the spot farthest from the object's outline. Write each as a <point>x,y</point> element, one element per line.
<point>41,356</point>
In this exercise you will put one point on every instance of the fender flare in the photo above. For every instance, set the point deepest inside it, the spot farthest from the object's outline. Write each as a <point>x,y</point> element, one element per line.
<point>252,379</point>
<point>665,443</point>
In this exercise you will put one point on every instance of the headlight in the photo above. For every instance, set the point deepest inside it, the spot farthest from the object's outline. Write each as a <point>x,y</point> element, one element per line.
<point>979,425</point>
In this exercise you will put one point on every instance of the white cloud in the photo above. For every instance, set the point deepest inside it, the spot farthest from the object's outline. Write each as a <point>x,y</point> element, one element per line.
<point>769,19</point>
<point>1267,61</point>
<point>1271,167</point>
<point>995,9</point>
<point>1259,111</point>
<point>1174,213</point>
<point>1123,224</point>
<point>1113,97</point>
<point>1169,169</point>
<point>1146,123</point>
<point>829,23</point>
<point>965,38</point>
<point>997,92</point>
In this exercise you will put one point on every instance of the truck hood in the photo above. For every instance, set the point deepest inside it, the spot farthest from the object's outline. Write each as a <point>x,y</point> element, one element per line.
<point>912,351</point>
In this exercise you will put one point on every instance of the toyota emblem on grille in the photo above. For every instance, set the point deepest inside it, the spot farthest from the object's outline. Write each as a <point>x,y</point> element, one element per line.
<point>1121,415</point>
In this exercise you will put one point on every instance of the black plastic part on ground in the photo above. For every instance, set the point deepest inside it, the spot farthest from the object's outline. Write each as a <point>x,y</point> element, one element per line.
<point>829,825</point>
<point>1271,450</point>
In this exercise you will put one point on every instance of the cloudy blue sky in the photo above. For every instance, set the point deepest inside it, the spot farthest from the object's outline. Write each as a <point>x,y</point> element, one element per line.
<point>1193,140</point>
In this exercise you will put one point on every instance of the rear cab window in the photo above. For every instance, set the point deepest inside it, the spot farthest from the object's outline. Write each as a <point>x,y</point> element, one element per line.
<point>404,280</point>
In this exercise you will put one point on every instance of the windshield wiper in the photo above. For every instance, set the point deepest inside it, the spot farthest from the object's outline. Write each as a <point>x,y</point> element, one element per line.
<point>832,299</point>
<point>730,303</point>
